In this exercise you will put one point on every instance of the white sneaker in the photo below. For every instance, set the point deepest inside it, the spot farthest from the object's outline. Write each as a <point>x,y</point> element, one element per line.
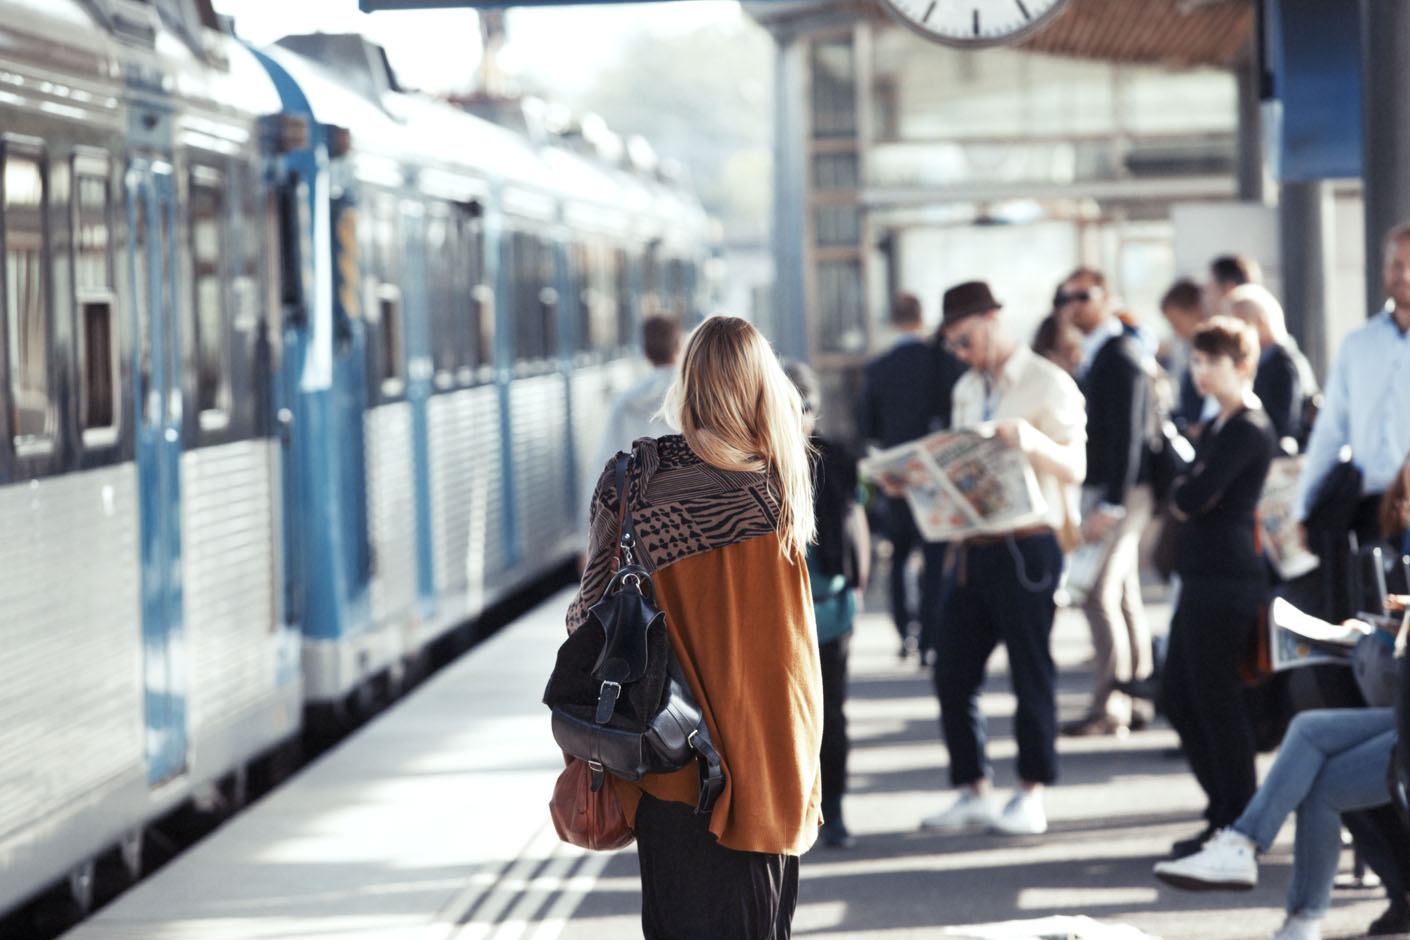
<point>1300,927</point>
<point>1226,861</point>
<point>970,811</point>
<point>1023,816</point>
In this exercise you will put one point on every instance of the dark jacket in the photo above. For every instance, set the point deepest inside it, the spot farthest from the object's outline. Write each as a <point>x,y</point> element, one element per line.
<point>1278,385</point>
<point>834,495</point>
<point>1219,497</point>
<point>1116,388</point>
<point>906,394</point>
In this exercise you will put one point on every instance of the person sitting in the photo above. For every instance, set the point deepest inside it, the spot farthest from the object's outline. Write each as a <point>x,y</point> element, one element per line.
<point>1332,760</point>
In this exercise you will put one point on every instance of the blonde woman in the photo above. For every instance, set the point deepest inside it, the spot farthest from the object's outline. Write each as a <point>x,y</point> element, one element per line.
<point>723,515</point>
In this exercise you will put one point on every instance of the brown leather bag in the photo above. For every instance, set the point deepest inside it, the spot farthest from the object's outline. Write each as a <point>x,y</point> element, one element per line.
<point>587,819</point>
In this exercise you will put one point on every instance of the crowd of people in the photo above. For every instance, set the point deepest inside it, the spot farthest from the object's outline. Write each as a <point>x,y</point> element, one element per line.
<point>1094,406</point>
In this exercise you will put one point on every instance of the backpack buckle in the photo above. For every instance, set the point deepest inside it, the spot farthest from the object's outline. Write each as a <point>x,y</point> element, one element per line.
<point>607,700</point>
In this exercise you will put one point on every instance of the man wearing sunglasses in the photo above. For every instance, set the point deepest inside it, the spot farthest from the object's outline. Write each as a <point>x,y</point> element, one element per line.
<point>1003,583</point>
<point>1117,502</point>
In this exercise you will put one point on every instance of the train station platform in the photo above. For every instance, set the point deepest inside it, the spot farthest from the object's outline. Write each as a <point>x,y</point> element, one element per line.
<point>431,824</point>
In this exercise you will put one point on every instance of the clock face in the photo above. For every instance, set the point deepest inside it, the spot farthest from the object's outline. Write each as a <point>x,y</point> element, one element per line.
<point>973,22</point>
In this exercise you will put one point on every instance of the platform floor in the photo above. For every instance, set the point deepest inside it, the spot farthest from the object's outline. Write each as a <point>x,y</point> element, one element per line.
<point>431,824</point>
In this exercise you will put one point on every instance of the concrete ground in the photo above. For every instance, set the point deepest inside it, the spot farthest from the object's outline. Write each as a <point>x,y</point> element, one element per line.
<point>1115,811</point>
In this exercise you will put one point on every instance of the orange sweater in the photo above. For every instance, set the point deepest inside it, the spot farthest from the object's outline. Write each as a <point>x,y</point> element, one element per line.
<point>741,623</point>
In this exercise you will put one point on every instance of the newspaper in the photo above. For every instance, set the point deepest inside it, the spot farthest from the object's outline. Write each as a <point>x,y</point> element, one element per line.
<point>1277,520</point>
<point>961,483</point>
<point>1300,639</point>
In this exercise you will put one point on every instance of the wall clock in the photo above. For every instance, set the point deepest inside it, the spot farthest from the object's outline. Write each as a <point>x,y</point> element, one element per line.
<point>974,23</point>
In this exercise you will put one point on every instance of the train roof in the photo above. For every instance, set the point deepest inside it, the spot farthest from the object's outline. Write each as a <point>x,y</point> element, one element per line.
<point>94,44</point>
<point>348,82</point>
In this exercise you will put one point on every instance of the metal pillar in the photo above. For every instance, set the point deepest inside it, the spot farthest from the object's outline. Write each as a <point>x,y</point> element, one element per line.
<point>1385,136</point>
<point>790,172</point>
<point>1248,71</point>
<point>1305,214</point>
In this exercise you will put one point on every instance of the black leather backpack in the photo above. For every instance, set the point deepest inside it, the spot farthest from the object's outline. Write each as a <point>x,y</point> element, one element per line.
<point>619,699</point>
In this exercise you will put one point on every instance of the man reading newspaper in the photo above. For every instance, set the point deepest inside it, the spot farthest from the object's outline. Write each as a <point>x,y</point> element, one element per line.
<point>1005,575</point>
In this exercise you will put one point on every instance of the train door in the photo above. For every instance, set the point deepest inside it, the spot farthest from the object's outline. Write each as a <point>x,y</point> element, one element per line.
<point>156,372</point>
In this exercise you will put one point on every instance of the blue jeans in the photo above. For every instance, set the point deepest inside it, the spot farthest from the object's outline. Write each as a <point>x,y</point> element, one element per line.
<point>1332,760</point>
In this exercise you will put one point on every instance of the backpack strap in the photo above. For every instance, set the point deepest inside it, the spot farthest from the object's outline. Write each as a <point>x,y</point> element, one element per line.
<point>707,760</point>
<point>707,763</point>
<point>626,535</point>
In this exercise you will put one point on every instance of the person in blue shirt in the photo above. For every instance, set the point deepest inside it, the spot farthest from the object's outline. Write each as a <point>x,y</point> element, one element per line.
<point>1364,405</point>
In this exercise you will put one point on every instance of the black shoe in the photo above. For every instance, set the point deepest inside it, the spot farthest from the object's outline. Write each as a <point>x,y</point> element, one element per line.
<point>1395,919</point>
<point>1186,847</point>
<point>834,835</point>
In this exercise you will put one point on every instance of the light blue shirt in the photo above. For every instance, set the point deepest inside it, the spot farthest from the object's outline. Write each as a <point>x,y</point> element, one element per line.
<point>1366,403</point>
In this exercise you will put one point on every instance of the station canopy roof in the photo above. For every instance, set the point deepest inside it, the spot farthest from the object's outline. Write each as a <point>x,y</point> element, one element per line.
<point>1167,32</point>
<point>1164,32</point>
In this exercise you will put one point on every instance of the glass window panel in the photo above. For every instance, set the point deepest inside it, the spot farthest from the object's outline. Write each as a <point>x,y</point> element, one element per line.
<point>26,297</point>
<point>840,307</point>
<point>838,225</point>
<point>92,270</point>
<point>834,89</point>
<point>97,366</point>
<point>835,171</point>
<point>207,252</point>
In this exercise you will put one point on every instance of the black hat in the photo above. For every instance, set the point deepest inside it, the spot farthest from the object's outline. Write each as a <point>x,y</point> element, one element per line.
<point>966,300</point>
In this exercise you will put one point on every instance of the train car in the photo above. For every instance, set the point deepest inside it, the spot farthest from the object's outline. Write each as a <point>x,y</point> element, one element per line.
<point>298,372</point>
<point>147,652</point>
<point>456,357</point>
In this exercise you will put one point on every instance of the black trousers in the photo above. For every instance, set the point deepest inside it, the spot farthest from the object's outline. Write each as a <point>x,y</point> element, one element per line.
<point>1000,592</point>
<point>833,656</point>
<point>693,888</point>
<point>1203,694</point>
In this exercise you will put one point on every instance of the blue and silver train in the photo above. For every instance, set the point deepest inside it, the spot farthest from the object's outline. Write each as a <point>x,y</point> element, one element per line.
<point>297,372</point>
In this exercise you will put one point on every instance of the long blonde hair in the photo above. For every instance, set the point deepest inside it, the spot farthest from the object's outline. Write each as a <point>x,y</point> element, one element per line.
<point>738,411</point>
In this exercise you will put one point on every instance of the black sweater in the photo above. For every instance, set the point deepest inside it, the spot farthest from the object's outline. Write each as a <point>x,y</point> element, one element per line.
<point>1219,497</point>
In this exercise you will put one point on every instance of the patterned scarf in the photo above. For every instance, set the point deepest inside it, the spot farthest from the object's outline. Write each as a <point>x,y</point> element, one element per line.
<point>681,506</point>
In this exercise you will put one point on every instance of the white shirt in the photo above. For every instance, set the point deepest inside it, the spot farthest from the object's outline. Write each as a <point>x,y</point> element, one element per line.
<point>1366,404</point>
<point>1032,388</point>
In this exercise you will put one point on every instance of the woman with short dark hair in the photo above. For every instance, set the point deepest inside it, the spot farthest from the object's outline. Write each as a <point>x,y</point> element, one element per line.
<point>1222,573</point>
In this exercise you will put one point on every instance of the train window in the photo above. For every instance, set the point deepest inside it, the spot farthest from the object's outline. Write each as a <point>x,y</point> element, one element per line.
<point>443,294</point>
<point>92,263</point>
<point>27,339</point>
<point>392,373</point>
<point>531,324</point>
<point>97,371</point>
<point>212,340</point>
<point>482,310</point>
<point>247,253</point>
<point>97,346</point>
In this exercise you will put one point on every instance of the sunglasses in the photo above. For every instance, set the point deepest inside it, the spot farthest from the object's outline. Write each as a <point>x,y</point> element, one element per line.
<point>961,343</point>
<point>1079,296</point>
